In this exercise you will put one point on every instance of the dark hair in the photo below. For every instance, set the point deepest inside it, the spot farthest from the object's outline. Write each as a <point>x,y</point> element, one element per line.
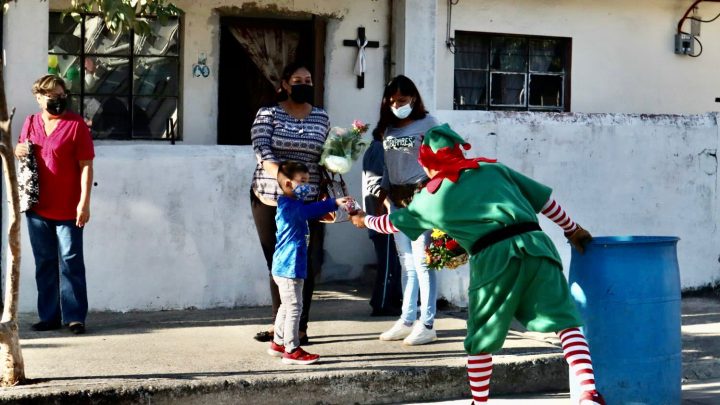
<point>286,75</point>
<point>406,87</point>
<point>288,169</point>
<point>377,135</point>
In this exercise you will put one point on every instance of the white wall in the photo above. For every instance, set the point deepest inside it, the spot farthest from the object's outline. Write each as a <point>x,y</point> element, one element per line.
<point>622,51</point>
<point>171,228</point>
<point>171,225</point>
<point>615,174</point>
<point>25,55</point>
<point>415,49</point>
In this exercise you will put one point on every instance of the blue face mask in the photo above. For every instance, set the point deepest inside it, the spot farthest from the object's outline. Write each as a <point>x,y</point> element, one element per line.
<point>301,191</point>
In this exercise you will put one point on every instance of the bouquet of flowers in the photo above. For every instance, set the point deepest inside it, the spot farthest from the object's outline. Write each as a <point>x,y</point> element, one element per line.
<point>343,146</point>
<point>444,252</point>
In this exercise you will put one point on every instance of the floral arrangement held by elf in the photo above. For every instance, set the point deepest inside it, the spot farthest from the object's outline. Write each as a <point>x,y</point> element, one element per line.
<point>515,270</point>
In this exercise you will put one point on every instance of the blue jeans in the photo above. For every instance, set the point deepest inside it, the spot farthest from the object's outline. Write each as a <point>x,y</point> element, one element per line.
<point>416,277</point>
<point>59,269</point>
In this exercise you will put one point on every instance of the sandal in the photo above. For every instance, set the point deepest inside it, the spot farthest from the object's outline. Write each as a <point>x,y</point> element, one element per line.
<point>264,336</point>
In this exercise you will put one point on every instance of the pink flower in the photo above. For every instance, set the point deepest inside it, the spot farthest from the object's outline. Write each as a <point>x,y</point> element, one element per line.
<point>359,126</point>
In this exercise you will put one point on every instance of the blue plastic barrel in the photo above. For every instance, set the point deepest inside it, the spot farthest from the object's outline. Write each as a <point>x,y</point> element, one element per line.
<point>628,292</point>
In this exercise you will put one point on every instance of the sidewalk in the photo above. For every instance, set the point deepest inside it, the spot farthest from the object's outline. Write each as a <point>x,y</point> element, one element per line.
<point>209,356</point>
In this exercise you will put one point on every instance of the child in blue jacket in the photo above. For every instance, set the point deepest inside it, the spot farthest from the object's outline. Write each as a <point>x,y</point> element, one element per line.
<point>289,268</point>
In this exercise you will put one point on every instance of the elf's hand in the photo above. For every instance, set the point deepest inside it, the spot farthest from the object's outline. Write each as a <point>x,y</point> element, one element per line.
<point>358,219</point>
<point>579,238</point>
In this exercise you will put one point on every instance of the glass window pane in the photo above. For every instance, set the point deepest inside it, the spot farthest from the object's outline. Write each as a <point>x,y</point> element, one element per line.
<point>74,103</point>
<point>156,76</point>
<point>107,75</point>
<point>108,117</point>
<point>547,55</point>
<point>68,68</point>
<point>471,51</point>
<point>509,54</point>
<point>64,35</point>
<point>507,89</point>
<point>98,39</point>
<point>151,116</point>
<point>470,88</point>
<point>162,42</point>
<point>546,91</point>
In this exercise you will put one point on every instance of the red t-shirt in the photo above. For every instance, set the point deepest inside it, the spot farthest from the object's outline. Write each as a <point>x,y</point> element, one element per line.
<point>57,157</point>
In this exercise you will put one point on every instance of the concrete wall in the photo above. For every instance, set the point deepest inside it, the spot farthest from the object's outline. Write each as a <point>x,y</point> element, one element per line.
<point>25,55</point>
<point>615,174</point>
<point>171,225</point>
<point>622,51</point>
<point>414,46</point>
<point>171,228</point>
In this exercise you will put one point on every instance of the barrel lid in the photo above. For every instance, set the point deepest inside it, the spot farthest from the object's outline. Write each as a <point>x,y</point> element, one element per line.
<point>632,239</point>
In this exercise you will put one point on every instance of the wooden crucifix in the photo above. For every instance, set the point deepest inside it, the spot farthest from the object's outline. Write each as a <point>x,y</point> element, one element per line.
<point>360,44</point>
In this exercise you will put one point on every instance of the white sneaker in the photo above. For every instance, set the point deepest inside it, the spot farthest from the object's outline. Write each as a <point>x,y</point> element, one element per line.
<point>399,331</point>
<point>420,335</point>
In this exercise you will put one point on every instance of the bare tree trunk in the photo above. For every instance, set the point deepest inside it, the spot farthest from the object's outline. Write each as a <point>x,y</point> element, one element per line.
<point>11,360</point>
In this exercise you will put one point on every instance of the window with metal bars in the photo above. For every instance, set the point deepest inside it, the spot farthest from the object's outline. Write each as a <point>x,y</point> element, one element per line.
<point>126,86</point>
<point>511,72</point>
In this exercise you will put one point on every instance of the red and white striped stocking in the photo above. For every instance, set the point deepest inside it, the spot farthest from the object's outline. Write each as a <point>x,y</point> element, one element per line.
<point>557,214</point>
<point>577,354</point>
<point>479,372</point>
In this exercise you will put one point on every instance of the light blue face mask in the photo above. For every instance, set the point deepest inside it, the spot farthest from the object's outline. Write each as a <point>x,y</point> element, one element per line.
<point>403,111</point>
<point>301,191</point>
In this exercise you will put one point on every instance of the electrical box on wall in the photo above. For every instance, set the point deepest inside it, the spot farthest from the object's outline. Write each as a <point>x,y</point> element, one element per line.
<point>684,44</point>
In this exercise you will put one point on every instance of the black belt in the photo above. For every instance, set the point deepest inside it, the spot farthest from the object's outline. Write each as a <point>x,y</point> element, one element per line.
<point>502,234</point>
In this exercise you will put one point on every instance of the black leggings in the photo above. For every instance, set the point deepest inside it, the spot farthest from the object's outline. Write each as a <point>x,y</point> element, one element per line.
<point>264,216</point>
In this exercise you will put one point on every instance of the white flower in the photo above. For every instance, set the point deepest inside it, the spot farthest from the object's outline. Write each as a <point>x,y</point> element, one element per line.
<point>338,164</point>
<point>338,131</point>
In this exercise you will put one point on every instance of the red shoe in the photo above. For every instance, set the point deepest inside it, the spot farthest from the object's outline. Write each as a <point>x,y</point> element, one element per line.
<point>591,398</point>
<point>300,356</point>
<point>276,350</point>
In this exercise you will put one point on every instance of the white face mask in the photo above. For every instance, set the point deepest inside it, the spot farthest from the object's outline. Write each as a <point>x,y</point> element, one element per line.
<point>403,111</point>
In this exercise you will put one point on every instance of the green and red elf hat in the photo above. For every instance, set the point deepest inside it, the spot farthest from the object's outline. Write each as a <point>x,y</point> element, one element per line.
<point>441,151</point>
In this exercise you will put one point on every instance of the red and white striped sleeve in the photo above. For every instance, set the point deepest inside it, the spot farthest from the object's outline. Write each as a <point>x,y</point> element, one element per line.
<point>380,224</point>
<point>555,213</point>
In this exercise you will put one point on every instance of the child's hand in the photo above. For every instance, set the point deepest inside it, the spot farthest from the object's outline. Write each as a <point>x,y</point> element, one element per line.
<point>342,201</point>
<point>579,238</point>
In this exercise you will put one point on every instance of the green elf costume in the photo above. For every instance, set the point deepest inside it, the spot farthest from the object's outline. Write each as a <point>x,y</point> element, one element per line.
<point>515,270</point>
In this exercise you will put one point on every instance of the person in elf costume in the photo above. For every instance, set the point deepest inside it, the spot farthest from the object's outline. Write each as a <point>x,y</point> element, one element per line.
<point>515,270</point>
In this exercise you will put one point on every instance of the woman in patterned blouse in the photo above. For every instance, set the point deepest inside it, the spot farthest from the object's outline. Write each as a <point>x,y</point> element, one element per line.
<point>292,130</point>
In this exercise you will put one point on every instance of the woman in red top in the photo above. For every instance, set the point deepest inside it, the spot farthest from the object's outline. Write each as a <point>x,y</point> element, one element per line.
<point>64,151</point>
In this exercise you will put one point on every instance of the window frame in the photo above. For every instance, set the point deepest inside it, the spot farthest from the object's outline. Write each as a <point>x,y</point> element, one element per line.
<point>130,95</point>
<point>485,40</point>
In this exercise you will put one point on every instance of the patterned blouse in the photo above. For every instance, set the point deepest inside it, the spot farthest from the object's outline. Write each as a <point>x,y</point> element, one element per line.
<point>277,136</point>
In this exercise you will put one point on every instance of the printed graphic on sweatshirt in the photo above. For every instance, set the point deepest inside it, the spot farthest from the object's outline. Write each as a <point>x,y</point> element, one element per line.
<point>400,143</point>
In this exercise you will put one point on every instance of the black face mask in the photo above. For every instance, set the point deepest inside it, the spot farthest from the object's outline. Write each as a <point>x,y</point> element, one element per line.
<point>302,93</point>
<point>57,106</point>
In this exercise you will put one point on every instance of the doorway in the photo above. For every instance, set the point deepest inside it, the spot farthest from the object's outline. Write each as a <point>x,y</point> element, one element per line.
<point>253,52</point>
